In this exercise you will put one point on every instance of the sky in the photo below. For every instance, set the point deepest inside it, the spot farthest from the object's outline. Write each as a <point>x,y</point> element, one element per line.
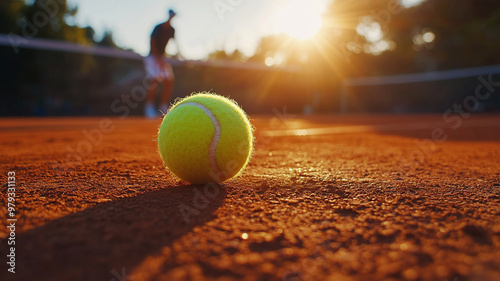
<point>202,26</point>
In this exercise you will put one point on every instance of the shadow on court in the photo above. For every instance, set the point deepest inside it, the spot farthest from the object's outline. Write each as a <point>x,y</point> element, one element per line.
<point>108,240</point>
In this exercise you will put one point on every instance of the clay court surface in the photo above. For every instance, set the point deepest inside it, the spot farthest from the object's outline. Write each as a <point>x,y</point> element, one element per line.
<point>324,198</point>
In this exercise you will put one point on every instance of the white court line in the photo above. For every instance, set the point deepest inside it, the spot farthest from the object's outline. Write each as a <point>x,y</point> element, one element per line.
<point>377,128</point>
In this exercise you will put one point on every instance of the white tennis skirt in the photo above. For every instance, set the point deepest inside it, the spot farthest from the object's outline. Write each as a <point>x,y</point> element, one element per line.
<point>155,70</point>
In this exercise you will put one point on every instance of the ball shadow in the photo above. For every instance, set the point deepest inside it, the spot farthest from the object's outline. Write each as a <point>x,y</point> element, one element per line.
<point>112,236</point>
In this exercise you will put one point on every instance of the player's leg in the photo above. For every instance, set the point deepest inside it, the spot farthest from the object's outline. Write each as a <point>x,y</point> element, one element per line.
<point>168,84</point>
<point>152,74</point>
<point>149,106</point>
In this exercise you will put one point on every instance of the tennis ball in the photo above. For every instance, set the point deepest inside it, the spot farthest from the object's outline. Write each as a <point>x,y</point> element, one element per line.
<point>205,138</point>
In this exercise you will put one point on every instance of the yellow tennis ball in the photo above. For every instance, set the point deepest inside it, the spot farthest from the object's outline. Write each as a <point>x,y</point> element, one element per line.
<point>205,138</point>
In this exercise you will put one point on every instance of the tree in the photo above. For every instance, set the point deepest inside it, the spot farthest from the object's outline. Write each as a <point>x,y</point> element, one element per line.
<point>41,81</point>
<point>434,35</point>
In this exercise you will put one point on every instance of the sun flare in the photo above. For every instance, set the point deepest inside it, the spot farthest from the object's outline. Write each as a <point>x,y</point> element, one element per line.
<point>298,19</point>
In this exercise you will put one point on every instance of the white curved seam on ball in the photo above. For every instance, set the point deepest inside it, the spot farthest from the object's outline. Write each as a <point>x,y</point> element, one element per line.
<point>215,138</point>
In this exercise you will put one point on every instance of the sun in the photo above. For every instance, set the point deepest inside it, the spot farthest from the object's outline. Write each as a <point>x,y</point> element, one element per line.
<point>298,19</point>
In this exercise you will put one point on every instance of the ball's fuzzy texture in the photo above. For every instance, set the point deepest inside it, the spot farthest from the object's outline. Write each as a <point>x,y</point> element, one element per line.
<point>205,138</point>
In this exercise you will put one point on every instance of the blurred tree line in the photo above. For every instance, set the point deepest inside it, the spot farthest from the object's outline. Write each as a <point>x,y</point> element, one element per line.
<point>380,37</point>
<point>42,82</point>
<point>434,35</point>
<point>384,37</point>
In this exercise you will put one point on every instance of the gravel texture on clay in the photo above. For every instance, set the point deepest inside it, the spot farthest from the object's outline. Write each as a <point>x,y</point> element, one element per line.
<point>324,198</point>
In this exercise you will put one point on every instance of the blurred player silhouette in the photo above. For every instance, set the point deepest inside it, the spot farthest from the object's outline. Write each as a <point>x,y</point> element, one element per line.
<point>159,71</point>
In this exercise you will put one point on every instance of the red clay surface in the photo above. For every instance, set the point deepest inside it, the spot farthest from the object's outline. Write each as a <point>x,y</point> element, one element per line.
<point>324,198</point>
